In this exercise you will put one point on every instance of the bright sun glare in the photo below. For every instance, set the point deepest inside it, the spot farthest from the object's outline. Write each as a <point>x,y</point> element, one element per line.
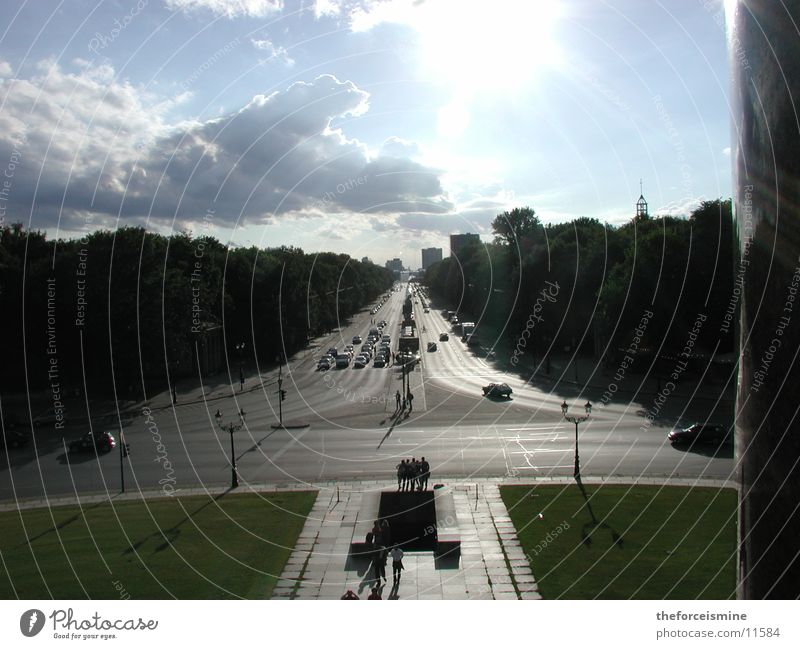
<point>498,45</point>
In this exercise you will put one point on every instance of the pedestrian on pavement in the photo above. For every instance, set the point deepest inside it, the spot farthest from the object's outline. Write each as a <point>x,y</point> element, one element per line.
<point>379,563</point>
<point>375,594</point>
<point>386,533</point>
<point>406,474</point>
<point>397,562</point>
<point>397,399</point>
<point>424,474</point>
<point>174,395</point>
<point>376,534</point>
<point>393,360</point>
<point>401,475</point>
<point>410,399</point>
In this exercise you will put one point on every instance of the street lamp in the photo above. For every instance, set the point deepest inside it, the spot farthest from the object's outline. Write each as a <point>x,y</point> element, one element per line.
<point>231,428</point>
<point>576,420</point>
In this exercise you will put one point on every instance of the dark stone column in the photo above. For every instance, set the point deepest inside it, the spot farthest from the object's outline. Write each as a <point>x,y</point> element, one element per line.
<point>765,66</point>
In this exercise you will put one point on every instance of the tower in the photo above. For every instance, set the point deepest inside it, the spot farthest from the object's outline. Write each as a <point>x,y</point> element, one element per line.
<point>641,204</point>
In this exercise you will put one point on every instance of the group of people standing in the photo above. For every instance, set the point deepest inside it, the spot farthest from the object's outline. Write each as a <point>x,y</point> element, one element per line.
<point>404,402</point>
<point>380,541</point>
<point>413,475</point>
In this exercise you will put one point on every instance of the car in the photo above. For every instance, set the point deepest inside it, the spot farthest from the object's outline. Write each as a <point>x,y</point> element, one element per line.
<point>443,337</point>
<point>102,442</point>
<point>323,364</point>
<point>379,361</point>
<point>14,438</point>
<point>360,361</point>
<point>700,434</point>
<point>427,310</point>
<point>432,347</point>
<point>497,390</point>
<point>342,361</point>
<point>386,339</point>
<point>473,340</point>
<point>332,351</point>
<point>356,340</point>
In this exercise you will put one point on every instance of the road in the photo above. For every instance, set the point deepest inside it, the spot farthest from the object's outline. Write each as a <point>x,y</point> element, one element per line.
<point>352,432</point>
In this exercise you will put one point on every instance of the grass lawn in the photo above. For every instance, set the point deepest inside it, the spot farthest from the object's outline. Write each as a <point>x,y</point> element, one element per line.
<point>197,547</point>
<point>621,542</point>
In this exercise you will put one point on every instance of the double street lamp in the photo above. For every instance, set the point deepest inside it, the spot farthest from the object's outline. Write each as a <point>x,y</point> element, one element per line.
<point>231,428</point>
<point>576,419</point>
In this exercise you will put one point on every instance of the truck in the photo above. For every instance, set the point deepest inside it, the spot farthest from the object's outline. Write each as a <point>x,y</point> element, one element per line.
<point>409,341</point>
<point>467,328</point>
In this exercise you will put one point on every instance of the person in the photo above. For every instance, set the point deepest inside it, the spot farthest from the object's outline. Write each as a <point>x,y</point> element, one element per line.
<point>374,594</point>
<point>424,474</point>
<point>349,595</point>
<point>410,399</point>
<point>397,399</point>
<point>406,474</point>
<point>376,533</point>
<point>397,562</point>
<point>174,396</point>
<point>386,533</point>
<point>379,563</point>
<point>401,475</point>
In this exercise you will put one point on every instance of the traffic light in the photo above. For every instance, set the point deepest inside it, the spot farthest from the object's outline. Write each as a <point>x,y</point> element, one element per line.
<point>283,395</point>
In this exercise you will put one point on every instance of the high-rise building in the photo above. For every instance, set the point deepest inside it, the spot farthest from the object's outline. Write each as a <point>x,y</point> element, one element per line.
<point>430,256</point>
<point>395,265</point>
<point>459,241</point>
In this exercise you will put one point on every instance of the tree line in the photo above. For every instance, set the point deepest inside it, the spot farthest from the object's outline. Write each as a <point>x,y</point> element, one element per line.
<point>663,282</point>
<point>123,307</point>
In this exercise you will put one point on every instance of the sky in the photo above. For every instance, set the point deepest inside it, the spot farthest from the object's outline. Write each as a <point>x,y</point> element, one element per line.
<point>369,127</point>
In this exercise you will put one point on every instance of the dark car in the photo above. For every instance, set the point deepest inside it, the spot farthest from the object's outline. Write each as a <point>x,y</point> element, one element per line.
<point>701,434</point>
<point>432,347</point>
<point>14,438</point>
<point>103,442</point>
<point>443,337</point>
<point>497,390</point>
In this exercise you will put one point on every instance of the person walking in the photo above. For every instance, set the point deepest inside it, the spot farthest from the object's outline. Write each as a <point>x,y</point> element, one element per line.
<point>397,563</point>
<point>379,563</point>
<point>410,400</point>
<point>424,474</point>
<point>397,399</point>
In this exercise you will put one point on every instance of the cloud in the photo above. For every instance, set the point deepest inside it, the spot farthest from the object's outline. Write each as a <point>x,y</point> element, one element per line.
<point>229,8</point>
<point>326,8</point>
<point>396,147</point>
<point>272,50</point>
<point>97,145</point>
<point>5,69</point>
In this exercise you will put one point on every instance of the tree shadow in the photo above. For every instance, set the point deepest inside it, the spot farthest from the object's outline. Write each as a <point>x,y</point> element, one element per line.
<point>172,534</point>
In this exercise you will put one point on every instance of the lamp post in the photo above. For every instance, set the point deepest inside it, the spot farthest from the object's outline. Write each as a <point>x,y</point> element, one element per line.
<point>231,428</point>
<point>239,347</point>
<point>576,420</point>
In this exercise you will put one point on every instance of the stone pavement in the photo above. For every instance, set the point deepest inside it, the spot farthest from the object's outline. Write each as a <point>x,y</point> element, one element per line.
<point>492,564</point>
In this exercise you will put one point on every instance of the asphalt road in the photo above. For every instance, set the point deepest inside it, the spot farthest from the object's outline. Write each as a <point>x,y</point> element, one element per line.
<point>353,431</point>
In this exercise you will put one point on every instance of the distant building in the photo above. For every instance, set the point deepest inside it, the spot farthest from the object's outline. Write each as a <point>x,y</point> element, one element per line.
<point>460,241</point>
<point>430,256</point>
<point>395,265</point>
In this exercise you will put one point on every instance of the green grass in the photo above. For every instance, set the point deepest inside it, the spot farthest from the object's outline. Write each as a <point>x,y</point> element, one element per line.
<point>622,542</point>
<point>197,547</point>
